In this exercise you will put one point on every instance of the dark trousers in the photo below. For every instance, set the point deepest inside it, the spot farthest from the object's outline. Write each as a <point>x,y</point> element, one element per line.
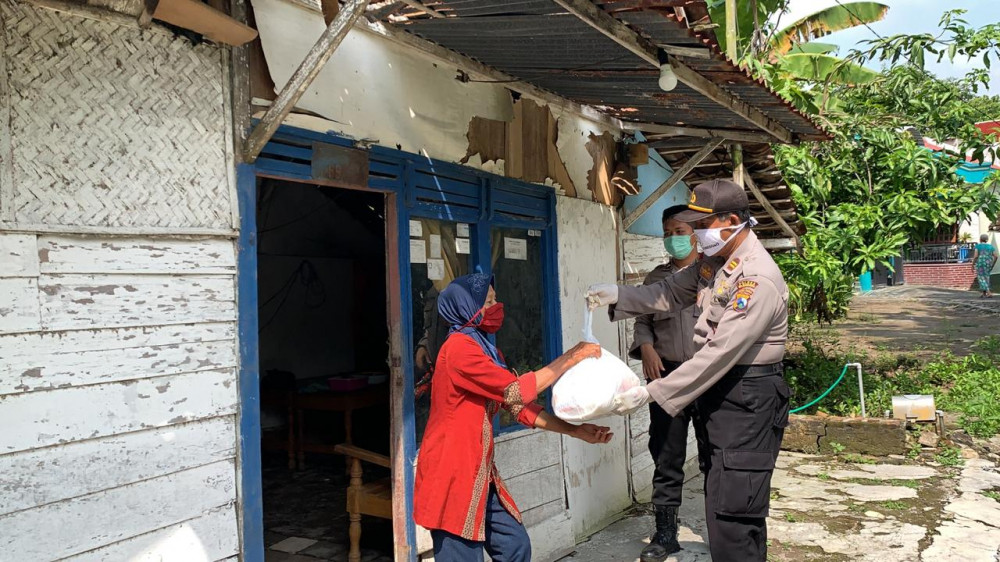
<point>743,418</point>
<point>668,447</point>
<point>506,539</point>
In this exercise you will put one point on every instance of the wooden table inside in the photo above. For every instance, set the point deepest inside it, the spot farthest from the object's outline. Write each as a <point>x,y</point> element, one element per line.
<point>329,401</point>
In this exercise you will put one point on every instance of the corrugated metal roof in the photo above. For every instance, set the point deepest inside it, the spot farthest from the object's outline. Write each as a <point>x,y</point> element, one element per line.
<point>759,163</point>
<point>538,42</point>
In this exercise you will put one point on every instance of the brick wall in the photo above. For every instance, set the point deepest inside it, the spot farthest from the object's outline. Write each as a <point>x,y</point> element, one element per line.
<point>949,275</point>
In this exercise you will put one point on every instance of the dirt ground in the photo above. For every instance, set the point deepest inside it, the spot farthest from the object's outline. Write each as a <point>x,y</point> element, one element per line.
<point>923,321</point>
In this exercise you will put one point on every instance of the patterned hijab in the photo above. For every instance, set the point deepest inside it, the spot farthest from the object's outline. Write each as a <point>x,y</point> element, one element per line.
<point>459,305</point>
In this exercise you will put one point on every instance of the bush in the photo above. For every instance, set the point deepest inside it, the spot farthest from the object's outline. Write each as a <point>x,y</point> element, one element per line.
<point>965,385</point>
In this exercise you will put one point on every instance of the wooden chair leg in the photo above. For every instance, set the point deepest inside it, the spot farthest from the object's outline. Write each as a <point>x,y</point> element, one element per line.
<point>355,533</point>
<point>355,527</point>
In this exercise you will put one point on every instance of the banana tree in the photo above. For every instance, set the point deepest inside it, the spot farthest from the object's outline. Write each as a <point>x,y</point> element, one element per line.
<point>789,47</point>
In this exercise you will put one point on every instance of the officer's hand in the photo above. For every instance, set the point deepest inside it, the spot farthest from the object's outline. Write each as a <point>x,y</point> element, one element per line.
<point>631,400</point>
<point>652,365</point>
<point>593,433</point>
<point>602,294</point>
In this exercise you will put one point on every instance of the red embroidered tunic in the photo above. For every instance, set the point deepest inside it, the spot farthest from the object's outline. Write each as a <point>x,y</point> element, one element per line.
<point>455,466</point>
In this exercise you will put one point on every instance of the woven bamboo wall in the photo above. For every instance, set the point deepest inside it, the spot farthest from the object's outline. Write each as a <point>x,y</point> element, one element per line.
<point>110,128</point>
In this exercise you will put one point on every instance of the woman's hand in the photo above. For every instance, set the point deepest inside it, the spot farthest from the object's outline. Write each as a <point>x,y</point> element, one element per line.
<point>652,365</point>
<point>584,350</point>
<point>592,433</point>
<point>549,374</point>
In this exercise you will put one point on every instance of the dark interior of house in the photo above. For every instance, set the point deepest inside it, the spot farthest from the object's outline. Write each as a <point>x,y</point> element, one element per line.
<point>323,346</point>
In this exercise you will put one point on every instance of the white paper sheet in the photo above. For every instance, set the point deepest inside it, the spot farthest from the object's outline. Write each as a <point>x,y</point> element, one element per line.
<point>416,229</point>
<point>515,249</point>
<point>463,246</point>
<point>463,230</point>
<point>435,251</point>
<point>418,251</point>
<point>435,269</point>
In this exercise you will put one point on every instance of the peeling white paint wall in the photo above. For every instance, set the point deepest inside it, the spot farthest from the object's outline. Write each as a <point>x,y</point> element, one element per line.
<point>596,475</point>
<point>118,384</point>
<point>574,133</point>
<point>375,89</point>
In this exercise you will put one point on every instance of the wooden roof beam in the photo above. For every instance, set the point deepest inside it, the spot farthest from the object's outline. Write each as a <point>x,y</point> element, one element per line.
<point>673,180</point>
<point>697,132</point>
<point>612,28</point>
<point>304,75</point>
<point>769,208</point>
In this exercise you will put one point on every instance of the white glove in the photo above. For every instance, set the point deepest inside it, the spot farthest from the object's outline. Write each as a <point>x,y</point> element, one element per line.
<point>631,400</point>
<point>602,294</point>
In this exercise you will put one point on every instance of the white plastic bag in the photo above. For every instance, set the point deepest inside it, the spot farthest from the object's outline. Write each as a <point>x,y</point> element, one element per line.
<point>596,388</point>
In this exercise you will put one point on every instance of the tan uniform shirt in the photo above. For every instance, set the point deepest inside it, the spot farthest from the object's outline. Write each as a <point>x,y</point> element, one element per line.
<point>742,307</point>
<point>671,334</point>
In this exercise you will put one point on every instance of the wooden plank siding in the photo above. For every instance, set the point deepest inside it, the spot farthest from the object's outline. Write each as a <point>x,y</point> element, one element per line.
<point>118,398</point>
<point>642,254</point>
<point>530,462</point>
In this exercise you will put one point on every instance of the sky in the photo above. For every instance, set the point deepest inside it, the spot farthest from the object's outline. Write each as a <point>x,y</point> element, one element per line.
<point>910,16</point>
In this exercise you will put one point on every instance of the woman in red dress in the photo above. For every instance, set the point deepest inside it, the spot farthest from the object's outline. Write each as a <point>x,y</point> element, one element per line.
<point>458,494</point>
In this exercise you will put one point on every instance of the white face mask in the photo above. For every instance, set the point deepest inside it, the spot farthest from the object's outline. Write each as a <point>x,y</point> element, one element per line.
<point>711,240</point>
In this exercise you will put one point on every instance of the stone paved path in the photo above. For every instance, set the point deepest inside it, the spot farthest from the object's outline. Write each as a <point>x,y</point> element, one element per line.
<point>824,509</point>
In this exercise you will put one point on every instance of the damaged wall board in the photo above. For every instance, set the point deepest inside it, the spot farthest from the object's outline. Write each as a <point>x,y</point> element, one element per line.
<point>118,383</point>
<point>596,477</point>
<point>526,144</point>
<point>374,89</point>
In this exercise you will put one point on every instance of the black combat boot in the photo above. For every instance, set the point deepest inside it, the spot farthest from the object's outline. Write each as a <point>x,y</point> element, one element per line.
<point>664,541</point>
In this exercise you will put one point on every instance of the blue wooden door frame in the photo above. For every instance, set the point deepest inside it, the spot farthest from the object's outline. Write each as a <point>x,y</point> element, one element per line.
<point>290,161</point>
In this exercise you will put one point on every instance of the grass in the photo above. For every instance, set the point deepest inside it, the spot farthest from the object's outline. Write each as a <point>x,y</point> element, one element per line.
<point>912,484</point>
<point>855,458</point>
<point>950,456</point>
<point>823,476</point>
<point>893,505</point>
<point>992,494</point>
<point>857,508</point>
<point>791,518</point>
<point>967,386</point>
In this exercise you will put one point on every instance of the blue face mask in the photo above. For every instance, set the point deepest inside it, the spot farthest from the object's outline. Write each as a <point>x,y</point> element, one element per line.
<point>679,247</point>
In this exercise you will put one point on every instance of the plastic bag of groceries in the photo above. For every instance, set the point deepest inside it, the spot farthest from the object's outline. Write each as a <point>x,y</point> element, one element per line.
<point>597,388</point>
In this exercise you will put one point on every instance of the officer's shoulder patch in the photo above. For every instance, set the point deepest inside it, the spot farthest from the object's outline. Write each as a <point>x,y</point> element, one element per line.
<point>705,271</point>
<point>733,264</point>
<point>744,292</point>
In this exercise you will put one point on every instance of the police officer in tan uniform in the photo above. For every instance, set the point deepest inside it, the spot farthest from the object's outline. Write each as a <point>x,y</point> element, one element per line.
<point>735,375</point>
<point>663,341</point>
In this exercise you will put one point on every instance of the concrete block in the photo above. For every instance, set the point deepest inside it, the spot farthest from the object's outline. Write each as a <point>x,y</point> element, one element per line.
<point>803,434</point>
<point>872,436</point>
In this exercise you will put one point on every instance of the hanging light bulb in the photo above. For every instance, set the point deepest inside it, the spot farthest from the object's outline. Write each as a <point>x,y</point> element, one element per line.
<point>668,80</point>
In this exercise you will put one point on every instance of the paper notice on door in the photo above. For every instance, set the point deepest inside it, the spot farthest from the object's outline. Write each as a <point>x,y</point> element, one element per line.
<point>435,269</point>
<point>418,251</point>
<point>416,229</point>
<point>515,248</point>
<point>535,233</point>
<point>463,230</point>
<point>435,246</point>
<point>463,246</point>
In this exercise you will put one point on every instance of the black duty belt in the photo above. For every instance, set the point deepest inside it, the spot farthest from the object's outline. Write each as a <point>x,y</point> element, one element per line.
<point>669,365</point>
<point>754,371</point>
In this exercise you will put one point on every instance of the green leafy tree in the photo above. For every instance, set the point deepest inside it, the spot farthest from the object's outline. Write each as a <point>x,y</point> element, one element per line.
<point>871,189</point>
<point>763,41</point>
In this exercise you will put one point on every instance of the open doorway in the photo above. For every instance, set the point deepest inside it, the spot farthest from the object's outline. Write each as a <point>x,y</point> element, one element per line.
<point>323,348</point>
